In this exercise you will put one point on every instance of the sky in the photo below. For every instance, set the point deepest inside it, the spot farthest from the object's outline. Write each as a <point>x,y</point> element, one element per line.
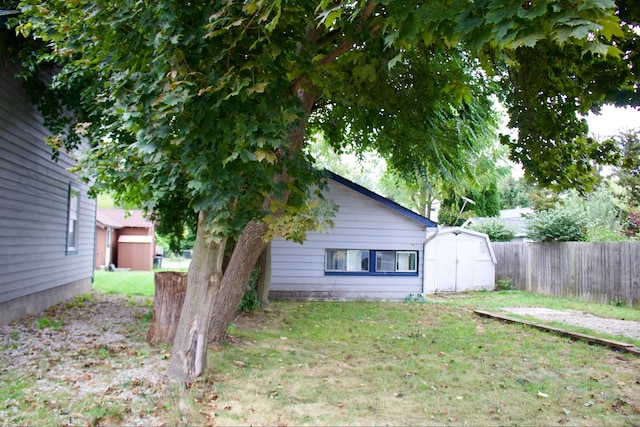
<point>612,121</point>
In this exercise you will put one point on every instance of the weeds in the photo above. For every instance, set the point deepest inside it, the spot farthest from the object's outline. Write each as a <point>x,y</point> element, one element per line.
<point>504,285</point>
<point>46,322</point>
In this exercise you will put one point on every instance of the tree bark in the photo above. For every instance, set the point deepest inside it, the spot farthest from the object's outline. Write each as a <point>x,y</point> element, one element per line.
<point>250,245</point>
<point>189,354</point>
<point>168,299</point>
<point>235,279</point>
<point>264,279</point>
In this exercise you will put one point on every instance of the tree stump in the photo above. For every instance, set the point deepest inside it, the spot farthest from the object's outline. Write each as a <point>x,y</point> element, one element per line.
<point>170,290</point>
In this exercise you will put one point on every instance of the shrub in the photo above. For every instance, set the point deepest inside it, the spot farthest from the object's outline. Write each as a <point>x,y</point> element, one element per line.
<point>496,229</point>
<point>504,285</point>
<point>250,299</point>
<point>558,225</point>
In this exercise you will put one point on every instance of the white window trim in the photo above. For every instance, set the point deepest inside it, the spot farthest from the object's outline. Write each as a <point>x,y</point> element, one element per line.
<point>73,219</point>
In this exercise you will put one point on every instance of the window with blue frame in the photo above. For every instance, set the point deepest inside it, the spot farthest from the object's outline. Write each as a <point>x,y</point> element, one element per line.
<point>359,261</point>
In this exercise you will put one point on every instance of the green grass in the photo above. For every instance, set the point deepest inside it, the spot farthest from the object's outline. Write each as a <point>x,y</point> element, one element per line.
<point>437,363</point>
<point>124,282</point>
<point>496,300</point>
<point>427,362</point>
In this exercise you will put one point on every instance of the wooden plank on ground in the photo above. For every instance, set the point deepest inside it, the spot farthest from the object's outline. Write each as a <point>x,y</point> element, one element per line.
<point>573,335</point>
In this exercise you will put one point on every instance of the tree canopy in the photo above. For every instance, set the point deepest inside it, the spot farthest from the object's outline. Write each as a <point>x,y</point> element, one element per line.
<point>200,109</point>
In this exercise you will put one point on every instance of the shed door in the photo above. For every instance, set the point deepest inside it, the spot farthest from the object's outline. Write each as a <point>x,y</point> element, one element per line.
<point>446,265</point>
<point>454,264</point>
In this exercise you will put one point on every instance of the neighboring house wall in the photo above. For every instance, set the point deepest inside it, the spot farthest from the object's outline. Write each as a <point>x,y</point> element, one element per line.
<point>38,267</point>
<point>131,239</point>
<point>298,271</point>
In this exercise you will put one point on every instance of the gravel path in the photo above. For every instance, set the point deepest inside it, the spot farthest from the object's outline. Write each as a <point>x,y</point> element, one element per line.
<point>627,328</point>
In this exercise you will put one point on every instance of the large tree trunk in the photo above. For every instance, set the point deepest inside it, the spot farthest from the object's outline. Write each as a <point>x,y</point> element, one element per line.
<point>168,299</point>
<point>264,279</point>
<point>235,279</point>
<point>250,245</point>
<point>189,354</point>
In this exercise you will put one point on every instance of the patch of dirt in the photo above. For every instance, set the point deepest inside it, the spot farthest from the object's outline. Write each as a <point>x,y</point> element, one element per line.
<point>88,347</point>
<point>627,328</point>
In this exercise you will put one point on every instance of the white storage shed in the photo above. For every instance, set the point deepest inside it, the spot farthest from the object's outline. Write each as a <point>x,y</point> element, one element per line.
<point>458,259</point>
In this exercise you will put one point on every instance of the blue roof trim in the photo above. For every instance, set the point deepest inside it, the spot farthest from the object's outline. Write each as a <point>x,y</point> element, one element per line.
<point>380,199</point>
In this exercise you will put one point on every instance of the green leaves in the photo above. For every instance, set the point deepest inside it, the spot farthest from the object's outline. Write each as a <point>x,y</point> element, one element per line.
<point>212,100</point>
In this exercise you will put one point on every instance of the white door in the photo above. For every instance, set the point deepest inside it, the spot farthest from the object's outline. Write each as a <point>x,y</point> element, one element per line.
<point>454,263</point>
<point>446,265</point>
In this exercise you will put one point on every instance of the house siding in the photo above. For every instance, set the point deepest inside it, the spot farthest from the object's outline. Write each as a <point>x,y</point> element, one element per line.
<point>36,270</point>
<point>297,271</point>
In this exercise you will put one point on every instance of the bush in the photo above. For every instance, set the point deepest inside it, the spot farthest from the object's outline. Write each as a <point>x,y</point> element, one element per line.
<point>558,225</point>
<point>504,285</point>
<point>250,300</point>
<point>496,229</point>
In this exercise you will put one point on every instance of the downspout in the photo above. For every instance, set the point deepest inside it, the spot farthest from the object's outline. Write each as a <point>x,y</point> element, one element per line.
<point>424,256</point>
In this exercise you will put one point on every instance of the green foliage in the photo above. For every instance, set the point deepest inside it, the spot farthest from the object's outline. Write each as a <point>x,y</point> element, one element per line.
<point>415,299</point>
<point>514,193</point>
<point>595,219</point>
<point>250,299</point>
<point>504,285</point>
<point>496,229</point>
<point>628,172</point>
<point>560,224</point>
<point>603,216</point>
<point>454,210</point>
<point>194,109</point>
<point>46,322</point>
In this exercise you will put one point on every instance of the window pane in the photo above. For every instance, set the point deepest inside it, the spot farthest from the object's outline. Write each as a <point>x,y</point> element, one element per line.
<point>72,236</point>
<point>336,260</point>
<point>406,261</point>
<point>357,260</point>
<point>385,261</point>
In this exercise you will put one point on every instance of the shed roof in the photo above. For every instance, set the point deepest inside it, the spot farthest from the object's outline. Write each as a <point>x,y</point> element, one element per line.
<point>122,218</point>
<point>380,199</point>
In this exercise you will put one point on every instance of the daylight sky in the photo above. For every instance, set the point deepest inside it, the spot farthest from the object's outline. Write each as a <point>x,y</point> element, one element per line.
<point>612,121</point>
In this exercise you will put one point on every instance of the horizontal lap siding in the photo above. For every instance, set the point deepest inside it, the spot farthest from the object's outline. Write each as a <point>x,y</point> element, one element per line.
<point>33,204</point>
<point>361,223</point>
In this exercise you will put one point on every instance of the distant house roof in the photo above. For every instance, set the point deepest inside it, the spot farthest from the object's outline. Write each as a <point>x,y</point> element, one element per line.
<point>121,218</point>
<point>386,202</point>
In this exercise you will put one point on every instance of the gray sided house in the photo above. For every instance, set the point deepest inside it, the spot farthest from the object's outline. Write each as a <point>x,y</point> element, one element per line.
<point>47,222</point>
<point>374,251</point>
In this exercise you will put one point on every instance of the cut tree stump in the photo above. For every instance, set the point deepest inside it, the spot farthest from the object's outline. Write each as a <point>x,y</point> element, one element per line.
<point>170,289</point>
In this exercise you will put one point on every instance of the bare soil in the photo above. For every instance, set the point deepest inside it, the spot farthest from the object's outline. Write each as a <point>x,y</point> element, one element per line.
<point>68,347</point>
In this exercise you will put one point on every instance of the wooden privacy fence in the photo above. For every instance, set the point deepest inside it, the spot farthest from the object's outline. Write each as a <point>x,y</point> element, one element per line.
<point>601,272</point>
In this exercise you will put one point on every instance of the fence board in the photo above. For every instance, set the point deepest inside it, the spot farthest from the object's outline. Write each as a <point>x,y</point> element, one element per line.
<point>600,272</point>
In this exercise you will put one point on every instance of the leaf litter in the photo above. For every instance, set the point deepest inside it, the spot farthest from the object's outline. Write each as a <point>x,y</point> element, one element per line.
<point>95,352</point>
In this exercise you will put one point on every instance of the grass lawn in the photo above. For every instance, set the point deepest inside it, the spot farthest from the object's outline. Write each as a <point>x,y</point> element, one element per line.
<point>373,363</point>
<point>129,283</point>
<point>379,363</point>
